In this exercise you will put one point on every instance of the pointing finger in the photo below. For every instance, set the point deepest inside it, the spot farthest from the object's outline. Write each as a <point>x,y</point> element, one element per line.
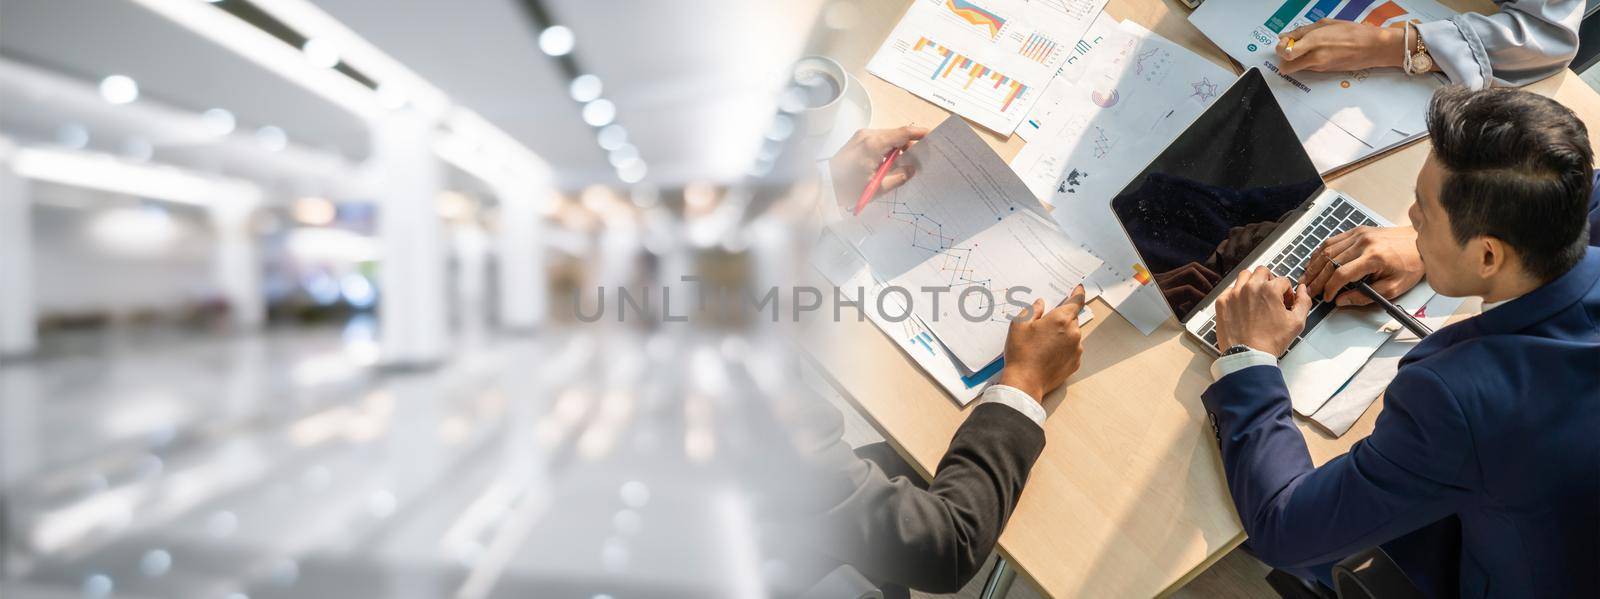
<point>1074,303</point>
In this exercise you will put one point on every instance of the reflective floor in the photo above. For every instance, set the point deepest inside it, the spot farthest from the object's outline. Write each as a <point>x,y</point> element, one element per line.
<point>157,463</point>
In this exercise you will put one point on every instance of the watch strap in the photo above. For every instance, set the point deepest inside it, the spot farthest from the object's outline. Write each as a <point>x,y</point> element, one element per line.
<point>1237,348</point>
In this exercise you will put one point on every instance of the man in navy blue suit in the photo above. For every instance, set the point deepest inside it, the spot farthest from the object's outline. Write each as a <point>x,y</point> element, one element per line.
<point>1482,475</point>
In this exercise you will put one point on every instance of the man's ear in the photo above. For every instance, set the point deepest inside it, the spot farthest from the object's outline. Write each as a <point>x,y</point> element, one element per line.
<point>1492,255</point>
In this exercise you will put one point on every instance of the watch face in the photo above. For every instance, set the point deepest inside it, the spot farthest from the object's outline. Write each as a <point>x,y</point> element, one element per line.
<point>1422,63</point>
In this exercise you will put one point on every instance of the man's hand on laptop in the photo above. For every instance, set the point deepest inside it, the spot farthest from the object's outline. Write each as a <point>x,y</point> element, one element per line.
<point>1044,348</point>
<point>1387,254</point>
<point>1261,311</point>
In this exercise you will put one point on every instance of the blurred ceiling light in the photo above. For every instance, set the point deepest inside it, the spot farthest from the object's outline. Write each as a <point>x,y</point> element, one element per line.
<point>322,53</point>
<point>73,136</point>
<point>357,290</point>
<point>585,88</point>
<point>314,211</point>
<point>391,97</point>
<point>454,205</point>
<point>599,113</point>
<point>106,173</point>
<point>612,137</point>
<point>218,121</point>
<point>633,172</point>
<point>240,37</point>
<point>272,138</point>
<point>623,155</point>
<point>645,196</point>
<point>556,40</point>
<point>119,89</point>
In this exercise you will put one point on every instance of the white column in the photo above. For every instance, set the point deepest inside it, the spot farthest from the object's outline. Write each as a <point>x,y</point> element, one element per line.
<point>236,264</point>
<point>18,321</point>
<point>472,281</point>
<point>411,301</point>
<point>523,285</point>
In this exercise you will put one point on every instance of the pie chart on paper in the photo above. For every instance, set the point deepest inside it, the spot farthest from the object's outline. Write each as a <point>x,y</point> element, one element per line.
<point>1104,99</point>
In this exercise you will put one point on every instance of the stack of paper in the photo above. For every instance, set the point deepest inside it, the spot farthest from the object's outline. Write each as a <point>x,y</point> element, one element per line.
<point>986,60</point>
<point>1340,117</point>
<point>1100,123</point>
<point>968,246</point>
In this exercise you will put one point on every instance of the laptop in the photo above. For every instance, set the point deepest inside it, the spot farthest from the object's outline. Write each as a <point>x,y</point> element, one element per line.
<point>1234,191</point>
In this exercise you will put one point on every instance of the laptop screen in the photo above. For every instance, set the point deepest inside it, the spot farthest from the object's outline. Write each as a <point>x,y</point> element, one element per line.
<point>1214,195</point>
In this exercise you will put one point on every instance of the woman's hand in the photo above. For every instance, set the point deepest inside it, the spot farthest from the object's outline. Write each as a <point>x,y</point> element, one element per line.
<point>1333,45</point>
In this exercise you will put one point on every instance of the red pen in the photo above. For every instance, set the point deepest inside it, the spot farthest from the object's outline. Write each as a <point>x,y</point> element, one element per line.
<point>877,179</point>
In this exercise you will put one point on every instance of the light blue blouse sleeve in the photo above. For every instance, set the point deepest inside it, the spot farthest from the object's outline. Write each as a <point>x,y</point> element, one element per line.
<point>1524,42</point>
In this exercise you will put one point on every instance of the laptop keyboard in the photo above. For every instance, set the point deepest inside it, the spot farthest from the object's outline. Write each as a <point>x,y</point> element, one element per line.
<point>1338,217</point>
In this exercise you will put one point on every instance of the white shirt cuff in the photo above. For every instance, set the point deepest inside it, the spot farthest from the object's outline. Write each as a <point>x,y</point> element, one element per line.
<point>1464,62</point>
<point>1227,365</point>
<point>1015,399</point>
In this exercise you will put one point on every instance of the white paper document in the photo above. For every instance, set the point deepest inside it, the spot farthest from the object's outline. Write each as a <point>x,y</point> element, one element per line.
<point>1135,95</point>
<point>986,60</point>
<point>1072,70</point>
<point>965,223</point>
<point>1350,402</point>
<point>843,266</point>
<point>1340,117</point>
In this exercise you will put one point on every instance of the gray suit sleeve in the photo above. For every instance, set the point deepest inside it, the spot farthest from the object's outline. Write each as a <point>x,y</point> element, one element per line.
<point>938,538</point>
<point>1526,41</point>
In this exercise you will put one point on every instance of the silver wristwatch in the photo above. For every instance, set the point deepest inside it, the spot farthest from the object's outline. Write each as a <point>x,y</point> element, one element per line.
<point>1237,348</point>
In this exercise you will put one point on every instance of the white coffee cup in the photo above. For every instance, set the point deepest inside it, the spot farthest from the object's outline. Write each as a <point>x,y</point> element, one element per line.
<point>822,84</point>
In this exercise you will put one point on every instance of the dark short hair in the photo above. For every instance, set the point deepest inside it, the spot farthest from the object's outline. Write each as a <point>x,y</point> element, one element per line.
<point>1517,169</point>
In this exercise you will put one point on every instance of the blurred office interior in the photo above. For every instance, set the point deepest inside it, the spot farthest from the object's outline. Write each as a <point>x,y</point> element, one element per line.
<point>289,291</point>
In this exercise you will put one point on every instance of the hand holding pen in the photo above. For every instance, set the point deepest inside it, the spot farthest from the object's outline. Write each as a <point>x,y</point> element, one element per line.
<point>863,157</point>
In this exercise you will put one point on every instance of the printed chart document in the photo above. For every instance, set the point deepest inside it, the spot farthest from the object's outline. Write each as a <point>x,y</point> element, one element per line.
<point>986,60</point>
<point>1340,117</point>
<point>1136,93</point>
<point>843,266</point>
<point>965,224</point>
<point>1065,83</point>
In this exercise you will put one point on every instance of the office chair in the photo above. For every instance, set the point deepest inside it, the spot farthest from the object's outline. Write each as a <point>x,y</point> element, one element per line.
<point>1371,574</point>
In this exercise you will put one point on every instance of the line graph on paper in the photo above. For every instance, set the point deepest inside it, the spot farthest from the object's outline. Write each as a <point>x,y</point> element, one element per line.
<point>974,14</point>
<point>928,234</point>
<point>1102,142</point>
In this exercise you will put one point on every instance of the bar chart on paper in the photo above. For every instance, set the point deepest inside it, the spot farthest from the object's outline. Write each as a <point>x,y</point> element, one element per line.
<point>985,60</point>
<point>1039,48</point>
